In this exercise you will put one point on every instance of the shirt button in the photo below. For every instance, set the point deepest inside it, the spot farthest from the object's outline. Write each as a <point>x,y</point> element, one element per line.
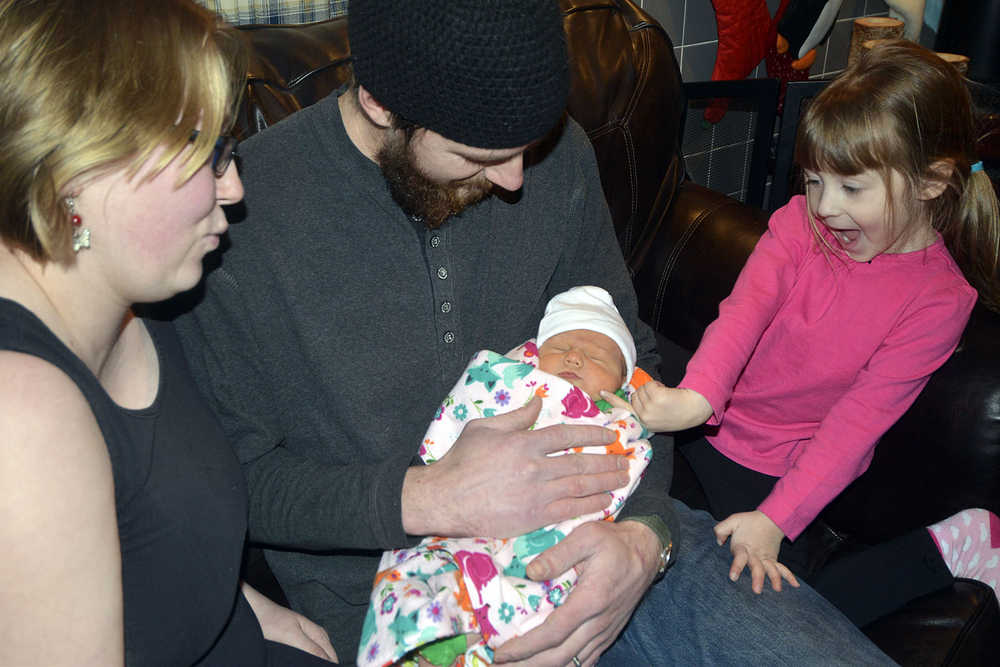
<point>435,241</point>
<point>449,337</point>
<point>442,273</point>
<point>416,218</point>
<point>446,307</point>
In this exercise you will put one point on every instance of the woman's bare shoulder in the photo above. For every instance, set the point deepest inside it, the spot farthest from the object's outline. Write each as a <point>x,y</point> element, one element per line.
<point>50,443</point>
<point>49,437</point>
<point>58,530</point>
<point>37,398</point>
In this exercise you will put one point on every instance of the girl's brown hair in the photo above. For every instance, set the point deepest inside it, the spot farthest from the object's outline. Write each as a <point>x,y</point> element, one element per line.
<point>87,86</point>
<point>902,108</point>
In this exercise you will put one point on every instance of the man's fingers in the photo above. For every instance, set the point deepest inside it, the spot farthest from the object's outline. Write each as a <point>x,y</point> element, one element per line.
<point>581,485</point>
<point>549,565</point>
<point>591,653</point>
<point>567,508</point>
<point>551,635</point>
<point>556,631</point>
<point>584,485</point>
<point>515,420</point>
<point>578,484</point>
<point>556,635</point>
<point>597,608</point>
<point>571,465</point>
<point>563,436</point>
<point>561,556</point>
<point>576,471</point>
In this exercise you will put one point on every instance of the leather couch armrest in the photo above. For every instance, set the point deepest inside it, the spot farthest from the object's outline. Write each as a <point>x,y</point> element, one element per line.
<point>956,626</point>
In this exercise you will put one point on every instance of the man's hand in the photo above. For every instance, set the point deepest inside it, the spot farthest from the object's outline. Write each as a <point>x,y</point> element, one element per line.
<point>663,408</point>
<point>616,563</point>
<point>496,480</point>
<point>755,543</point>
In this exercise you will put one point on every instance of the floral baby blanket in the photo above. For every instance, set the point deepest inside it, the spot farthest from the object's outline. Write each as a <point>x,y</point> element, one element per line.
<point>447,587</point>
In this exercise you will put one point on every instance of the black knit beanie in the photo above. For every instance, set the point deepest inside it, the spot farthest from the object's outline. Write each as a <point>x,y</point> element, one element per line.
<point>484,73</point>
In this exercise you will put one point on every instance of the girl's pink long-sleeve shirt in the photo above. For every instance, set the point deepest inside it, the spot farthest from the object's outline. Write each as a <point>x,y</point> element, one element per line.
<point>814,356</point>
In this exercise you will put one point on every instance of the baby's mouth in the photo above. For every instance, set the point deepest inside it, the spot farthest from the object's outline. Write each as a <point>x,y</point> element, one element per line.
<point>568,375</point>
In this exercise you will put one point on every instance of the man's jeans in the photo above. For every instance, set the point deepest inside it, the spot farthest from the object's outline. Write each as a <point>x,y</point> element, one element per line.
<point>696,616</point>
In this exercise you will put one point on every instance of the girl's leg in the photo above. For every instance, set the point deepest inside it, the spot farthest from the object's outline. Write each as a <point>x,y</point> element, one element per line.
<point>728,486</point>
<point>966,544</point>
<point>684,485</point>
<point>869,584</point>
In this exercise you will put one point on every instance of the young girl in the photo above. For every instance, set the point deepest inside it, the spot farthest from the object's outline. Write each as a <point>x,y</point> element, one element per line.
<point>855,295</point>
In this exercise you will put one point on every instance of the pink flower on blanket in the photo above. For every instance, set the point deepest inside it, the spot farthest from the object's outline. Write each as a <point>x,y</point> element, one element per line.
<point>577,404</point>
<point>486,628</point>
<point>478,567</point>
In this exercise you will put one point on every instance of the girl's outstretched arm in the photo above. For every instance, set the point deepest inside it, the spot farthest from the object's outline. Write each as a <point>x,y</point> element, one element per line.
<point>661,408</point>
<point>763,286</point>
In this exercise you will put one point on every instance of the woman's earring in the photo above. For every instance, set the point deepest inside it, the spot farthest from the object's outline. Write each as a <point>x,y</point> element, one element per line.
<point>81,235</point>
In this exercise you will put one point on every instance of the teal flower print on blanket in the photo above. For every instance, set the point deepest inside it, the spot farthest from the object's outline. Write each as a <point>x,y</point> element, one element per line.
<point>485,373</point>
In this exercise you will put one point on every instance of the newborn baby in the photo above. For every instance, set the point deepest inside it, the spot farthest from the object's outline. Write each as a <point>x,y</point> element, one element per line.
<point>449,597</point>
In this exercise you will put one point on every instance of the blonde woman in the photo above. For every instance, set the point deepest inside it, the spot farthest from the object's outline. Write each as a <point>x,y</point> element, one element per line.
<point>122,508</point>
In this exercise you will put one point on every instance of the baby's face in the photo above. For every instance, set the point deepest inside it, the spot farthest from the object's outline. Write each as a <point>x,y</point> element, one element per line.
<point>587,359</point>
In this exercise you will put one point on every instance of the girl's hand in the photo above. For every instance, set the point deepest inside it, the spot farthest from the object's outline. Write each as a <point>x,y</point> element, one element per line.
<point>755,543</point>
<point>662,408</point>
<point>282,625</point>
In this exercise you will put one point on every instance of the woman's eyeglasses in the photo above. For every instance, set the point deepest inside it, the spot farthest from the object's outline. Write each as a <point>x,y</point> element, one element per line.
<point>222,154</point>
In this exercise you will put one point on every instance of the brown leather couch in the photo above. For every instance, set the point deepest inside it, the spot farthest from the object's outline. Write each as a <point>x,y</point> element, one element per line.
<point>684,246</point>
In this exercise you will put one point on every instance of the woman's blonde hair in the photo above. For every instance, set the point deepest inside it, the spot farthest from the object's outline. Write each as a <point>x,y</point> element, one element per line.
<point>88,85</point>
<point>902,108</point>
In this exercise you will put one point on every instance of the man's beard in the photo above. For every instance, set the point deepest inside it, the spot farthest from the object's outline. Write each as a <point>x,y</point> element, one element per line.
<point>419,196</point>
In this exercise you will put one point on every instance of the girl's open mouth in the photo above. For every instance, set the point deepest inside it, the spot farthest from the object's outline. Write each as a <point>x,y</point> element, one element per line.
<point>846,237</point>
